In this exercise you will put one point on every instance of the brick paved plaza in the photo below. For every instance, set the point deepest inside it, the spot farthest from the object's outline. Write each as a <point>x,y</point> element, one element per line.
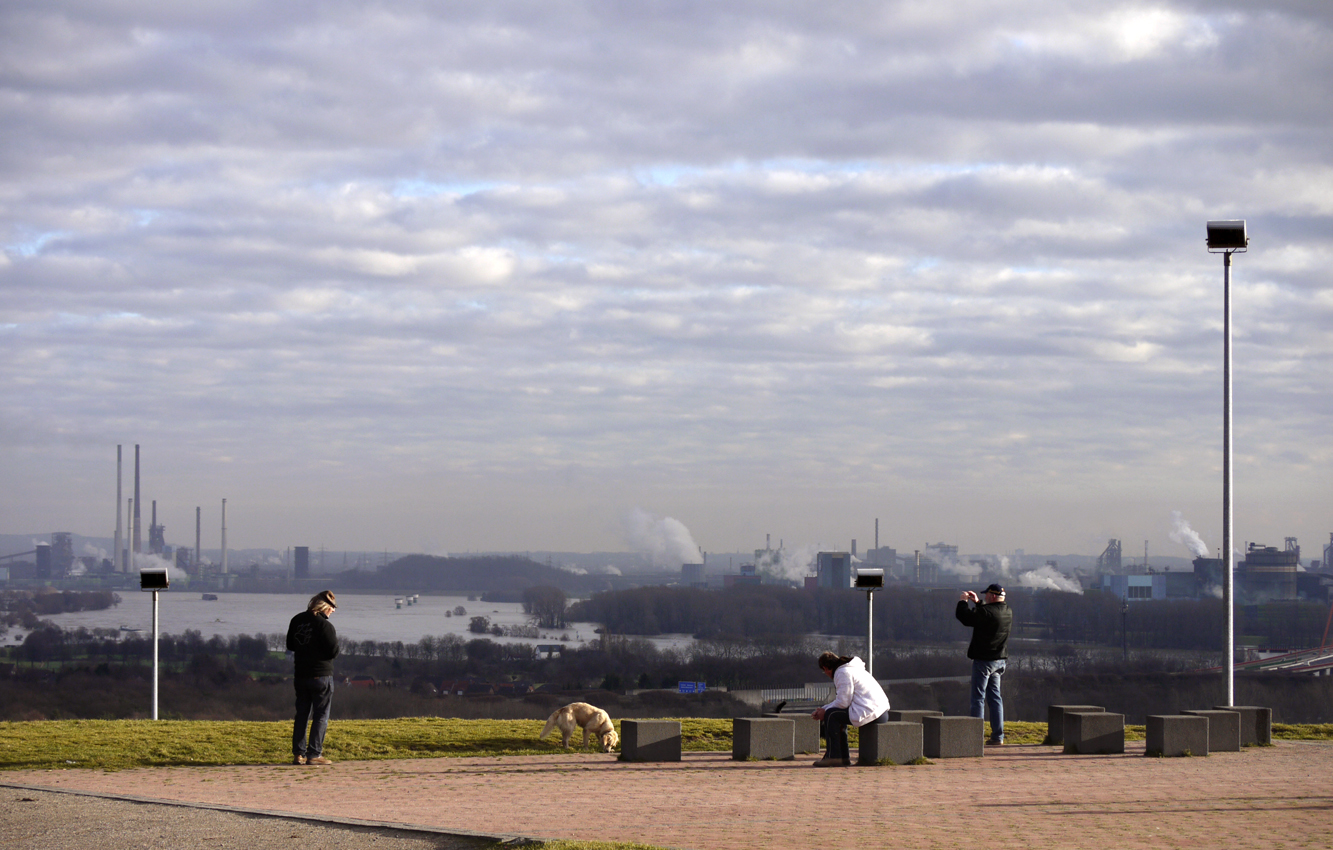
<point>1014,797</point>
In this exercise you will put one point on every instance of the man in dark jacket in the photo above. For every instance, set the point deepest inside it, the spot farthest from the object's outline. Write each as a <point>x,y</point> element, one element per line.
<point>313,641</point>
<point>990,622</point>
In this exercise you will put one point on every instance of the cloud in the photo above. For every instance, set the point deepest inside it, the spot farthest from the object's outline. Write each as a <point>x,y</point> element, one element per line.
<point>488,274</point>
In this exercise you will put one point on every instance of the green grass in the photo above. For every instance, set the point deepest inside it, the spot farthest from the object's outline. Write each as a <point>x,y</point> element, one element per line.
<point>123,744</point>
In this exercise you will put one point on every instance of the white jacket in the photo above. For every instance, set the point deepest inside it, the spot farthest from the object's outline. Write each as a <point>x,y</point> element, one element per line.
<point>858,692</point>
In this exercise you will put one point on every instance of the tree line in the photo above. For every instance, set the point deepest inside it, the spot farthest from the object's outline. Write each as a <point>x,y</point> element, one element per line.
<point>912,615</point>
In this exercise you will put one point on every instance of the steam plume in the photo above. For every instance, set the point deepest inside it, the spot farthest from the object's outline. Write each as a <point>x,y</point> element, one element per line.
<point>665,540</point>
<point>1188,537</point>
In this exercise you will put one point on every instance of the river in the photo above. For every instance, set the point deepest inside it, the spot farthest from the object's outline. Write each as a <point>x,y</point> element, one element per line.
<point>374,617</point>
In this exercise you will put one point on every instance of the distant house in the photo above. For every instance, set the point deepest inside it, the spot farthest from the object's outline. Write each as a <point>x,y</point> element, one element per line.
<point>361,682</point>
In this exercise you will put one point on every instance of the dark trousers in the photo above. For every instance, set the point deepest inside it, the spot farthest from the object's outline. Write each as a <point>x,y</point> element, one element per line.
<point>835,723</point>
<point>314,699</point>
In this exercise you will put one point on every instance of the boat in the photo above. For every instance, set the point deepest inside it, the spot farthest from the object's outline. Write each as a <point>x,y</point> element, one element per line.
<point>128,629</point>
<point>210,597</point>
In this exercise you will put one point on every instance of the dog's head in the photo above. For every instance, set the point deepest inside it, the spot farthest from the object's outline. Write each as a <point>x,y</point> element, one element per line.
<point>609,740</point>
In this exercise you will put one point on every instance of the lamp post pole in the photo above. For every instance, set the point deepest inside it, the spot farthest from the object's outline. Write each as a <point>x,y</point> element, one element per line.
<point>155,654</point>
<point>870,631</point>
<point>1227,238</point>
<point>1228,589</point>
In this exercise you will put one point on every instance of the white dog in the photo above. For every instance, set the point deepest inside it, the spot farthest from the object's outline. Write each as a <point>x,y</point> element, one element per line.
<point>580,715</point>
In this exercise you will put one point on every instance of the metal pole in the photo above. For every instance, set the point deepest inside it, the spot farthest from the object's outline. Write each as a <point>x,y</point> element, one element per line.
<point>870,632</point>
<point>1227,587</point>
<point>154,654</point>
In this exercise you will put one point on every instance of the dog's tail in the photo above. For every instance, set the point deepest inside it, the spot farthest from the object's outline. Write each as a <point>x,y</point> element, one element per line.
<point>550,725</point>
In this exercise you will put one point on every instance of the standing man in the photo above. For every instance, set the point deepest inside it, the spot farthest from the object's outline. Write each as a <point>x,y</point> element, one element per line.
<point>990,622</point>
<point>313,641</point>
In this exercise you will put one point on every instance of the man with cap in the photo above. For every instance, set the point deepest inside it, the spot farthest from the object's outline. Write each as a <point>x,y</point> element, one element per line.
<point>313,642</point>
<point>990,622</point>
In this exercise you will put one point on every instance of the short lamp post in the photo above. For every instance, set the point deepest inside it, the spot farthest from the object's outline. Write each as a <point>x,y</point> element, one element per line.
<point>156,580</point>
<point>1227,238</point>
<point>1124,628</point>
<point>870,581</point>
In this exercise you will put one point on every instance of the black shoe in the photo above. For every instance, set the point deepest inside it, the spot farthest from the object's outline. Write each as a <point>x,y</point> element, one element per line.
<point>993,742</point>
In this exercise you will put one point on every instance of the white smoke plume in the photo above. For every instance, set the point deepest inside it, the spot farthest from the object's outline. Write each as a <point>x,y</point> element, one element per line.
<point>1186,536</point>
<point>791,564</point>
<point>666,541</point>
<point>1048,578</point>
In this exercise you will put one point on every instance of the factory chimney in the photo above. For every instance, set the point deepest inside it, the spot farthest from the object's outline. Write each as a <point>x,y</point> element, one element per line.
<point>224,537</point>
<point>197,567</point>
<point>116,556</point>
<point>135,542</point>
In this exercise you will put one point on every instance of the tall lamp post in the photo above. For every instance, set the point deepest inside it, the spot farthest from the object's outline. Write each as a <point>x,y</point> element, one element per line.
<point>1227,238</point>
<point>870,581</point>
<point>154,579</point>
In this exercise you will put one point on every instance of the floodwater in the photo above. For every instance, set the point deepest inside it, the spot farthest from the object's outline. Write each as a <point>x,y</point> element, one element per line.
<point>373,617</point>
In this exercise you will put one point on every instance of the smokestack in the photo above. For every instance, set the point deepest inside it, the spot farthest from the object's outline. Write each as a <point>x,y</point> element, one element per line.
<point>197,568</point>
<point>224,537</point>
<point>876,532</point>
<point>135,542</point>
<point>115,553</point>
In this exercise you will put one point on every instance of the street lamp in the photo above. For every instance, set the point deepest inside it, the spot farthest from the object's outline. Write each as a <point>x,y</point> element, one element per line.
<point>1124,628</point>
<point>870,580</point>
<point>156,580</point>
<point>1227,238</point>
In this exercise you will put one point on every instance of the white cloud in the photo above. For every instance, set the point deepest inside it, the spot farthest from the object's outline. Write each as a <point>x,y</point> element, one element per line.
<point>363,267</point>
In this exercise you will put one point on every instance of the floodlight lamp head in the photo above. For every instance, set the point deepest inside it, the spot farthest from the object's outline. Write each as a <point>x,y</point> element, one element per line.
<point>1227,237</point>
<point>154,578</point>
<point>868,578</point>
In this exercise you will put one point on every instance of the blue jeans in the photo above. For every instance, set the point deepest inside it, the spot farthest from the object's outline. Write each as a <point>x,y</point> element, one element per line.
<point>314,698</point>
<point>986,690</point>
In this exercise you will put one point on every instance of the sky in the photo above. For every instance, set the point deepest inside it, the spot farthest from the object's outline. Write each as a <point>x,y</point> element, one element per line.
<point>442,277</point>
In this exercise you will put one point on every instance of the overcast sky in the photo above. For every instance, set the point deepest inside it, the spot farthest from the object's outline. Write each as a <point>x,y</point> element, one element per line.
<point>531,275</point>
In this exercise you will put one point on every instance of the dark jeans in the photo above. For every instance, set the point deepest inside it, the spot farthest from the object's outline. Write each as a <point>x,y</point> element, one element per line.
<point>834,731</point>
<point>986,689</point>
<point>314,698</point>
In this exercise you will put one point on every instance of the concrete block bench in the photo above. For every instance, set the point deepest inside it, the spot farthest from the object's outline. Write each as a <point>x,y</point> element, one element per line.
<point>952,737</point>
<point>1256,724</point>
<point>650,740</point>
<point>1176,735</point>
<point>1055,720</point>
<point>806,731</point>
<point>763,738</point>
<point>898,741</point>
<point>1094,733</point>
<point>911,716</point>
<point>1223,730</point>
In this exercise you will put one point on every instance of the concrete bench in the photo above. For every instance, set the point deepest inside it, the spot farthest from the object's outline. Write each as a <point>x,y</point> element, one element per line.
<point>763,738</point>
<point>952,737</point>
<point>1176,735</point>
<point>911,716</point>
<point>1256,724</point>
<point>1223,730</point>
<point>806,731</point>
<point>1055,720</point>
<point>1094,733</point>
<point>650,740</point>
<point>897,741</point>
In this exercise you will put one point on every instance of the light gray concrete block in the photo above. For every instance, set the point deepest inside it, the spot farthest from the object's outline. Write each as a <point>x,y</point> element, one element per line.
<point>898,741</point>
<point>1223,730</point>
<point>952,737</point>
<point>763,738</point>
<point>1176,735</point>
<point>650,740</point>
<point>1094,733</point>
<point>913,716</point>
<point>1055,720</point>
<point>806,731</point>
<point>1256,724</point>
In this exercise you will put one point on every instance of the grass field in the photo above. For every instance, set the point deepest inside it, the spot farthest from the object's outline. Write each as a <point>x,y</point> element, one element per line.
<point>122,744</point>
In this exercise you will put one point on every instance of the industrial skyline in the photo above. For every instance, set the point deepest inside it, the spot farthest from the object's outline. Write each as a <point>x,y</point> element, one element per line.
<point>425,279</point>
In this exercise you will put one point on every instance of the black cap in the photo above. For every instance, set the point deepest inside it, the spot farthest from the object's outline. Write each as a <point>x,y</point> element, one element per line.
<point>996,589</point>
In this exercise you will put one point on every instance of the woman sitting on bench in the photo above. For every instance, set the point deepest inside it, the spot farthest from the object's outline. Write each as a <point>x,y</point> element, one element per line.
<point>858,699</point>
